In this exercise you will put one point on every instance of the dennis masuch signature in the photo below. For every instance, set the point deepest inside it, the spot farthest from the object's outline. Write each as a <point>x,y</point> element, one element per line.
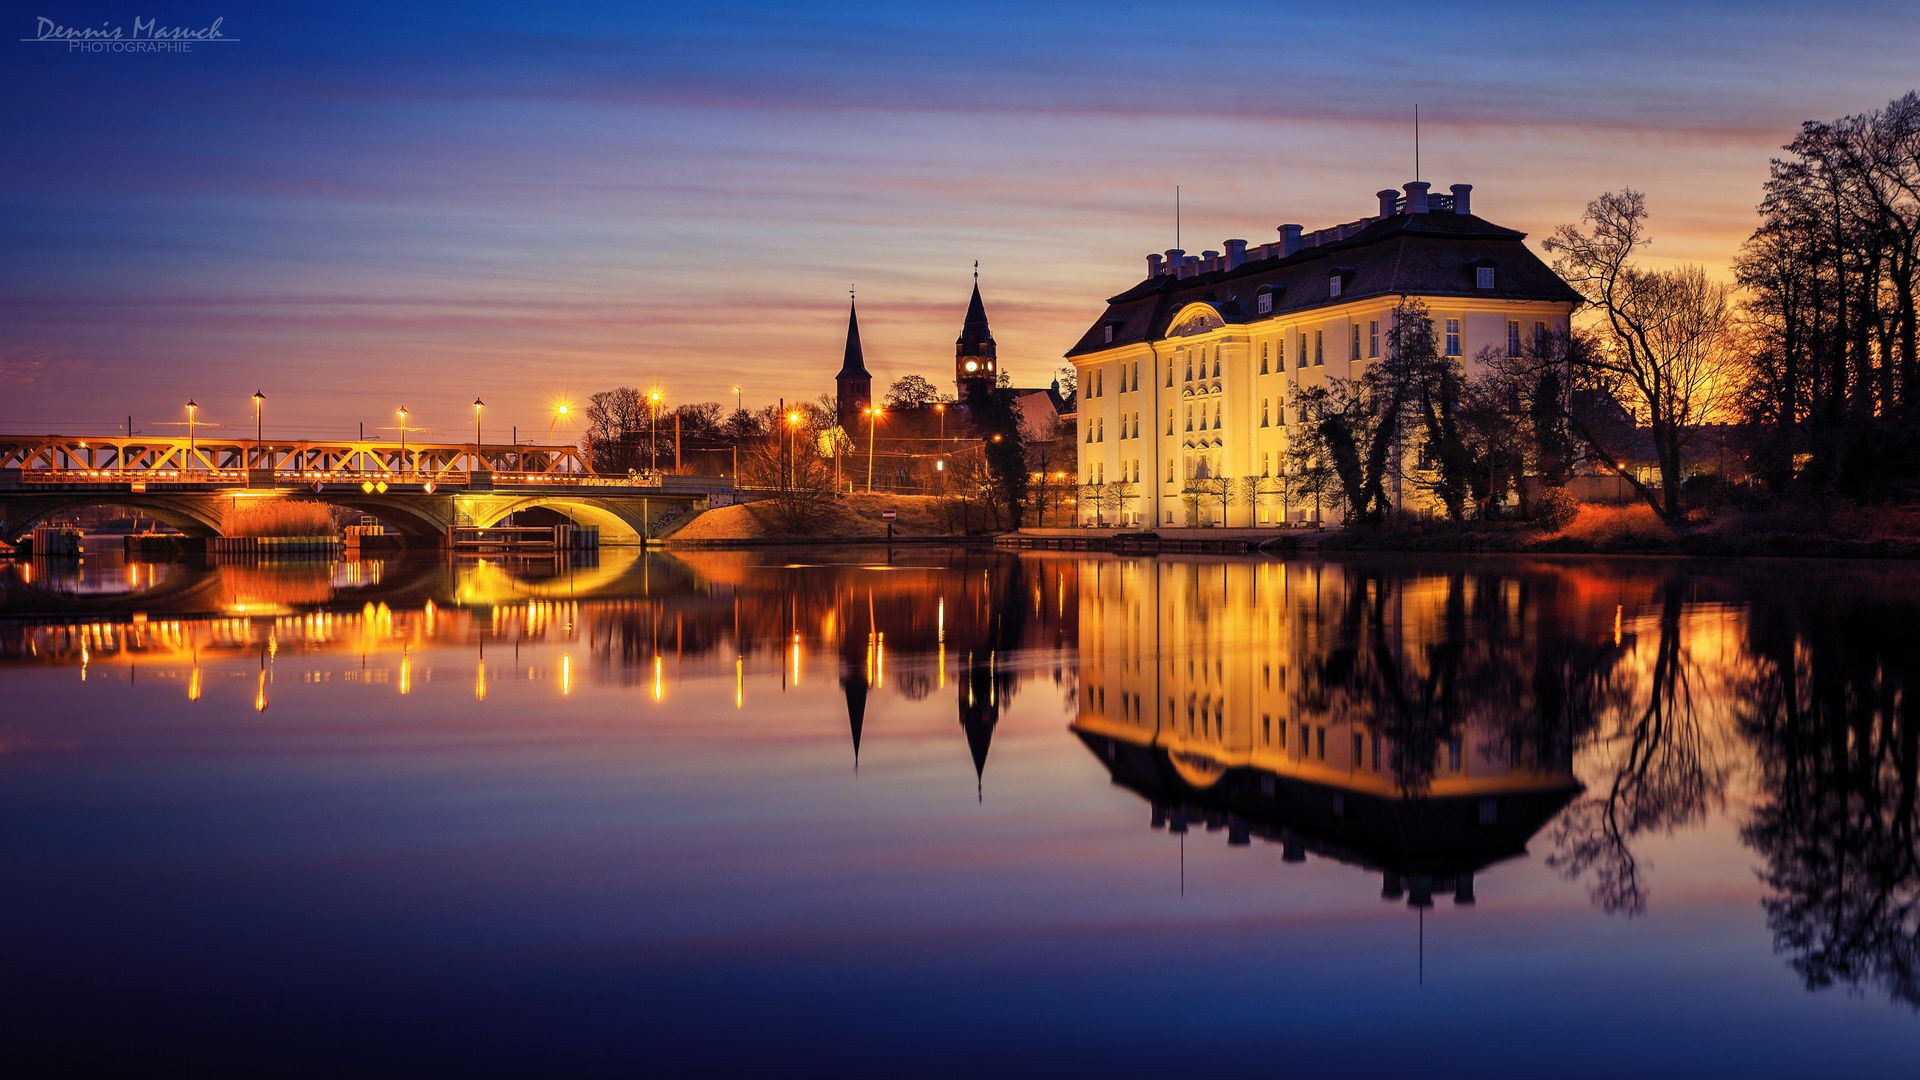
<point>145,31</point>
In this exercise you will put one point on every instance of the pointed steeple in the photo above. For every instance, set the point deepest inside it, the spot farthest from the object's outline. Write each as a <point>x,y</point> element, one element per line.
<point>979,713</point>
<point>853,387</point>
<point>855,364</point>
<point>975,357</point>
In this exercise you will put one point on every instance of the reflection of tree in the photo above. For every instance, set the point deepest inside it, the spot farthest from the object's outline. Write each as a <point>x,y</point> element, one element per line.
<point>1837,751</point>
<point>1666,772</point>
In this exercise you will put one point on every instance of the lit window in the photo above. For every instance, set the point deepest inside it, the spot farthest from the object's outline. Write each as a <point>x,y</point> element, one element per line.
<point>1453,337</point>
<point>1265,303</point>
<point>1319,348</point>
<point>1109,329</point>
<point>1373,338</point>
<point>1483,277</point>
<point>1333,285</point>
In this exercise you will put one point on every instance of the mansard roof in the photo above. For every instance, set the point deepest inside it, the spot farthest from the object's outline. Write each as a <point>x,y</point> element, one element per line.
<point>1427,255</point>
<point>855,364</point>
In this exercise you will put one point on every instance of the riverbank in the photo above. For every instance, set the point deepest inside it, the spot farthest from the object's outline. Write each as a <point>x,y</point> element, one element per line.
<point>852,519</point>
<point>1845,533</point>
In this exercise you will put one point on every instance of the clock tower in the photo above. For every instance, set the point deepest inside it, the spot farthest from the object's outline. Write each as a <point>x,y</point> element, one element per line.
<point>974,359</point>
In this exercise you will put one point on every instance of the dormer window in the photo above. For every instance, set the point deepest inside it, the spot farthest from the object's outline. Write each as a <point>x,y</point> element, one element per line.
<point>1483,277</point>
<point>1108,331</point>
<point>1333,285</point>
<point>1264,303</point>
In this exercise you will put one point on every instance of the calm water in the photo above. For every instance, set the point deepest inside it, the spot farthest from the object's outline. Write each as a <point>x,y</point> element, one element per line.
<point>957,812</point>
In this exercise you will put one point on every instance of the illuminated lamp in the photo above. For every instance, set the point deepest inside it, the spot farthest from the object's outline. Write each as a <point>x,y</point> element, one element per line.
<point>366,486</point>
<point>381,487</point>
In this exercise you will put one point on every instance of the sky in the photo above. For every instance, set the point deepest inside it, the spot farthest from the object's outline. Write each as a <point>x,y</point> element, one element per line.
<point>352,207</point>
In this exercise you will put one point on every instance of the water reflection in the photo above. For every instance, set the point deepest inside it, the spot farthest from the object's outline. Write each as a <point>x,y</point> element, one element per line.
<point>1426,722</point>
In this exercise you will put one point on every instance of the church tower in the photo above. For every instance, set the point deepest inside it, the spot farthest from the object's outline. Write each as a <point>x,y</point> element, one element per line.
<point>974,359</point>
<point>854,385</point>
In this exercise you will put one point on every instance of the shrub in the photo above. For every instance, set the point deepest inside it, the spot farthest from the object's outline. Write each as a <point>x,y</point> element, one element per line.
<point>1554,510</point>
<point>277,517</point>
<point>1607,527</point>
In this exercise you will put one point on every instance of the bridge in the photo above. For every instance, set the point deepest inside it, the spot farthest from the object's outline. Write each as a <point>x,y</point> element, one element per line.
<point>421,490</point>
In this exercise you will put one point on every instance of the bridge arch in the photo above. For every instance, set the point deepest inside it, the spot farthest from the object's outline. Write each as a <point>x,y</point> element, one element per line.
<point>412,516</point>
<point>618,524</point>
<point>196,516</point>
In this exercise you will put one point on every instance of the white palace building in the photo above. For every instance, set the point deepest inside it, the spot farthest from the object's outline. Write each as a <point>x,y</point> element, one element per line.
<point>1191,372</point>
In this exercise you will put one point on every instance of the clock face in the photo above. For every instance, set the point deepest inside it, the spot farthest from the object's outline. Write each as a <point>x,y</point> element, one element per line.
<point>971,366</point>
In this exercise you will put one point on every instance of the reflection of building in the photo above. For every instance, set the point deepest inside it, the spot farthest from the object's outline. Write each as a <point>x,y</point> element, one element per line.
<point>1192,373</point>
<point>1318,706</point>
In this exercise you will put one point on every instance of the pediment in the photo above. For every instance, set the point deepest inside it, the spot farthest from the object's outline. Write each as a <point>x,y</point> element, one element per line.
<point>1196,319</point>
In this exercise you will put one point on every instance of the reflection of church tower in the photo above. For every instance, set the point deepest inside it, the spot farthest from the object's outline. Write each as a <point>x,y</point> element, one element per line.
<point>974,357</point>
<point>855,684</point>
<point>854,384</point>
<point>979,712</point>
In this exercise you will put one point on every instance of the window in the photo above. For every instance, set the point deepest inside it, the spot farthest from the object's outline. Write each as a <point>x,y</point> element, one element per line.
<point>1265,303</point>
<point>1354,352</point>
<point>1109,329</point>
<point>1263,358</point>
<point>1453,755</point>
<point>1089,432</point>
<point>1216,417</point>
<point>1103,473</point>
<point>1453,337</point>
<point>1169,480</point>
<point>1359,754</point>
<point>1513,339</point>
<point>1100,384</point>
<point>1136,375</point>
<point>1320,743</point>
<point>1483,277</point>
<point>1189,418</point>
<point>1189,369</point>
<point>1300,358</point>
<point>1169,373</point>
<point>1103,430</point>
<point>1266,464</point>
<point>1266,411</point>
<point>1169,421</point>
<point>1333,285</point>
<point>1216,363</point>
<point>1136,425</point>
<point>1373,338</point>
<point>1539,335</point>
<point>1319,348</point>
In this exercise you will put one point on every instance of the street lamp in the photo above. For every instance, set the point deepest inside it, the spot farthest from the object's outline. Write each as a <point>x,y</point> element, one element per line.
<point>793,425</point>
<point>941,408</point>
<point>557,414</point>
<point>192,410</point>
<point>403,438</point>
<point>653,432</point>
<point>873,420</point>
<point>259,399</point>
<point>477,403</point>
<point>738,401</point>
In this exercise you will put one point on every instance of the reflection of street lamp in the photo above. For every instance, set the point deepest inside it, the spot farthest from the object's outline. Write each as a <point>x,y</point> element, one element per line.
<point>873,421</point>
<point>477,403</point>
<point>403,438</point>
<point>259,399</point>
<point>192,409</point>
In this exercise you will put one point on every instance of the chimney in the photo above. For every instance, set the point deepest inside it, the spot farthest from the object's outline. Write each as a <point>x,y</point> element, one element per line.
<point>1207,261</point>
<point>1236,253</point>
<point>1289,239</point>
<point>1461,194</point>
<point>1153,266</point>
<point>1387,198</point>
<point>1417,197</point>
<point>1175,257</point>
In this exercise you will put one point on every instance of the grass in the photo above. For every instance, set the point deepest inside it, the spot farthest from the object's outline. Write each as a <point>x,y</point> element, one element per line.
<point>1616,527</point>
<point>278,517</point>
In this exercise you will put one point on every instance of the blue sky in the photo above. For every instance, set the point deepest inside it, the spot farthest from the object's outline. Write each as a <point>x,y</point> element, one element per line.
<point>353,207</point>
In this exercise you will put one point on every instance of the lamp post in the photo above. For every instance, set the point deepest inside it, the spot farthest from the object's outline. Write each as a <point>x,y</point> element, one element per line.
<point>793,425</point>
<point>653,432</point>
<point>941,408</point>
<point>477,404</point>
<point>738,402</point>
<point>403,439</point>
<point>557,414</point>
<point>873,421</point>
<point>192,409</point>
<point>259,400</point>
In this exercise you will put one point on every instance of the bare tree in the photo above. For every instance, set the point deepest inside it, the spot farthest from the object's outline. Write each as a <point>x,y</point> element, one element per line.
<point>1661,349</point>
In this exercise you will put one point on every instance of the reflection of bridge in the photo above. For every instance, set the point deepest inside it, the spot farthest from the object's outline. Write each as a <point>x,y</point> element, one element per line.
<point>422,490</point>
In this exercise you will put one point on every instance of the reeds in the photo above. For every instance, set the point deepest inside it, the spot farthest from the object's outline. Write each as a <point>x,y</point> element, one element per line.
<point>278,517</point>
